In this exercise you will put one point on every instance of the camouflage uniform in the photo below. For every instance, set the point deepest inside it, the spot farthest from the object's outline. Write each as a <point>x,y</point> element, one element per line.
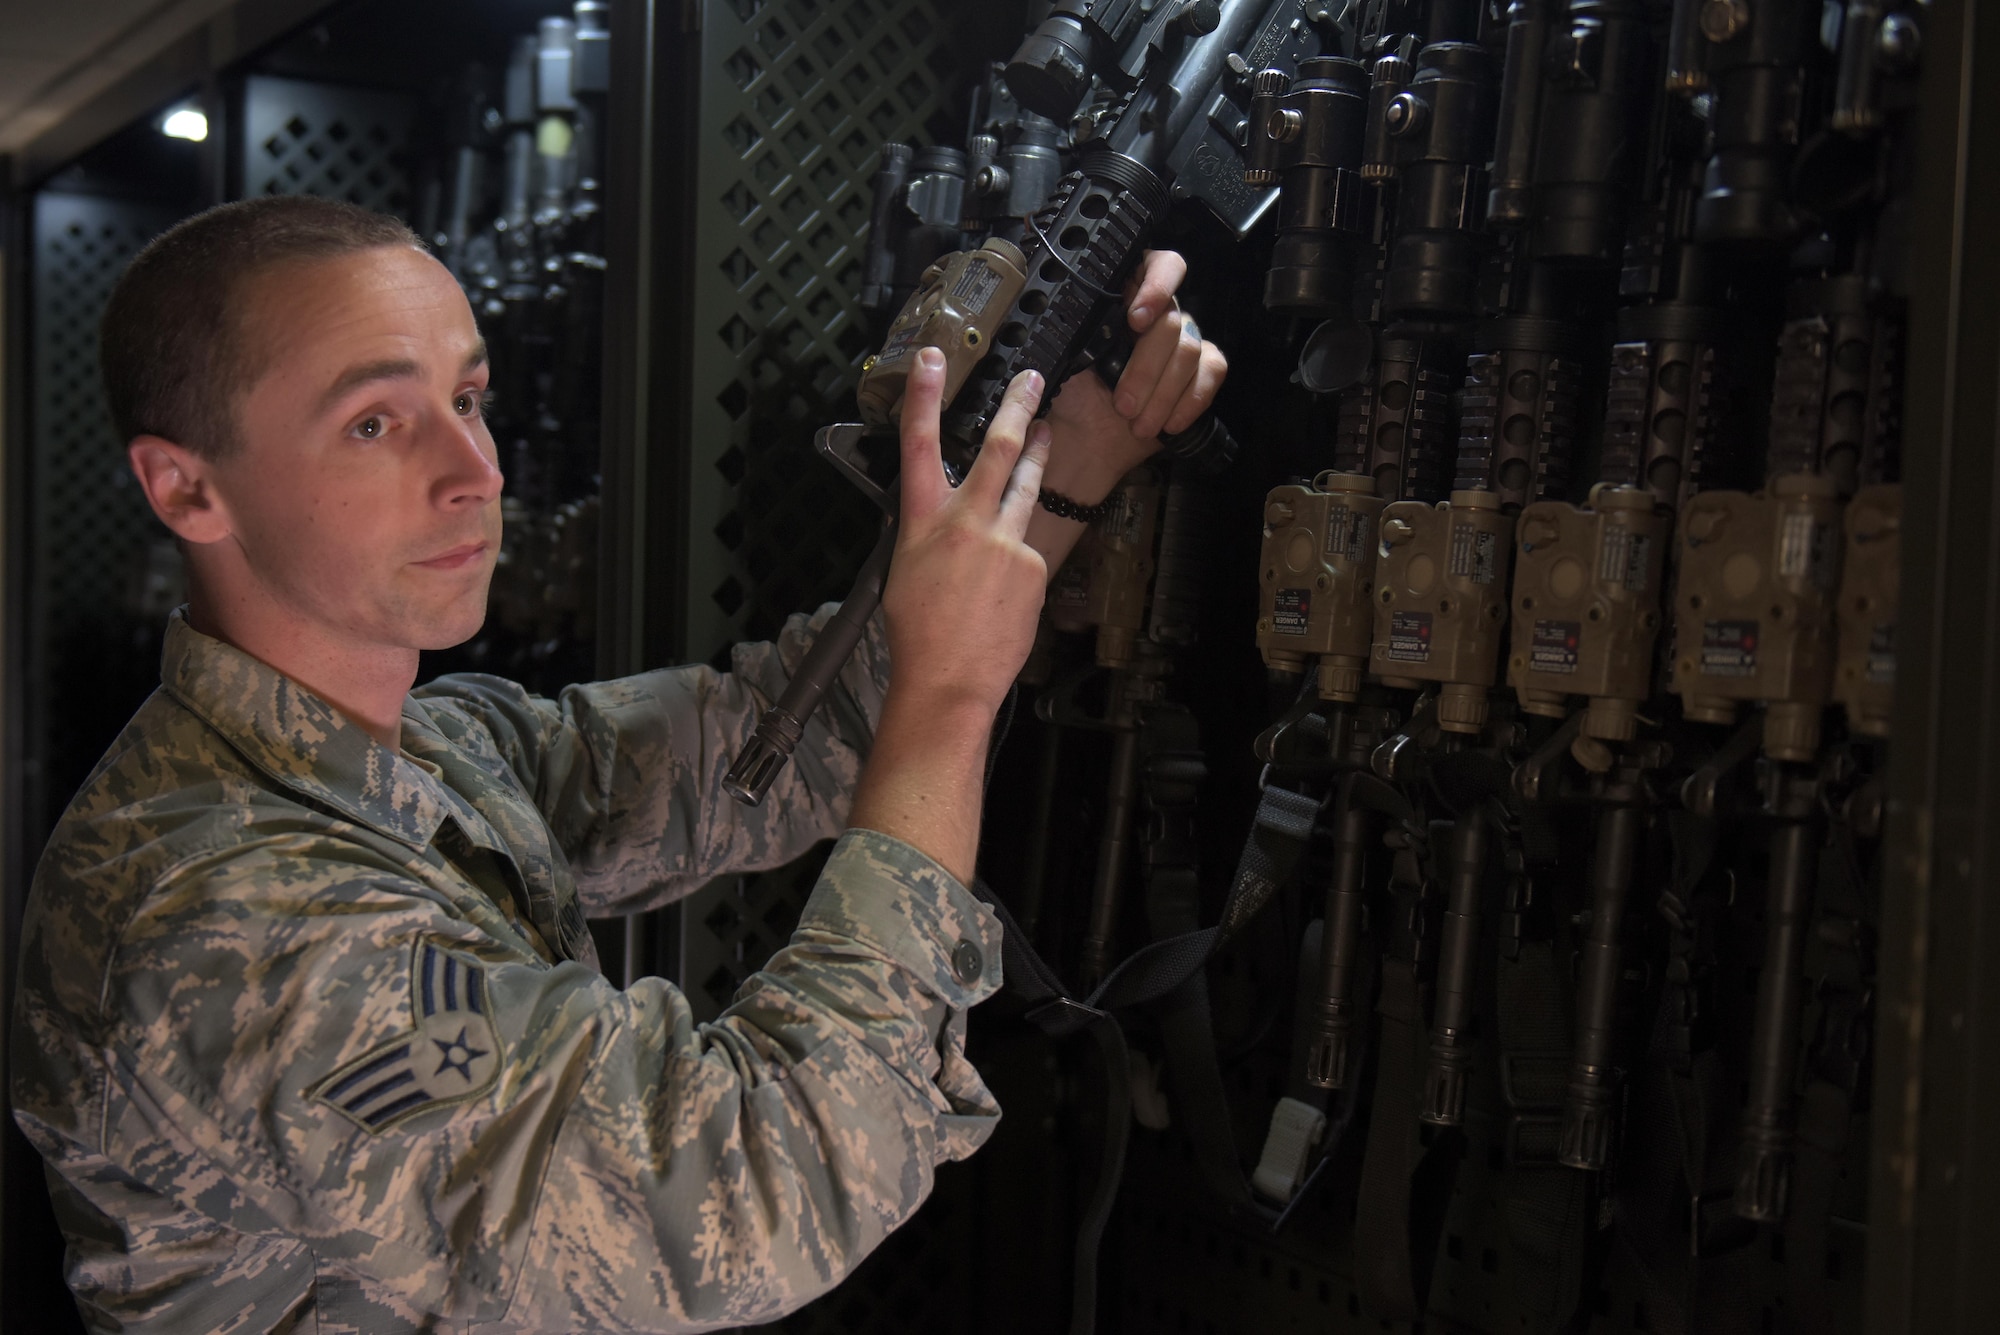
<point>310,1034</point>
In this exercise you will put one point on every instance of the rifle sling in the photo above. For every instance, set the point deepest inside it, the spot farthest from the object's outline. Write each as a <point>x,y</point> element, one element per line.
<point>1278,837</point>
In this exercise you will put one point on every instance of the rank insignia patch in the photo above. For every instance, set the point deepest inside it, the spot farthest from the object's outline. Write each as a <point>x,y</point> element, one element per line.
<point>453,1054</point>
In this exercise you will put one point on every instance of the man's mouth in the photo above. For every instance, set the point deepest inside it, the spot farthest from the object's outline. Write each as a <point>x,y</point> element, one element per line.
<point>457,558</point>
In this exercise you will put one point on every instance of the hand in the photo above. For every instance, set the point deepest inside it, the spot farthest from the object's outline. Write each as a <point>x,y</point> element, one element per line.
<point>964,590</point>
<point>961,602</point>
<point>1170,380</point>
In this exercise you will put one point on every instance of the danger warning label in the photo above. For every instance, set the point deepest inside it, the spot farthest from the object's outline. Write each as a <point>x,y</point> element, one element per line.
<point>1410,637</point>
<point>1729,648</point>
<point>1072,587</point>
<point>1554,646</point>
<point>1291,611</point>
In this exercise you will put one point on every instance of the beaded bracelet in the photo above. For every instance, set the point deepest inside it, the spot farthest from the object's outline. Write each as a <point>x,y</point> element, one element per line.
<point>1062,507</point>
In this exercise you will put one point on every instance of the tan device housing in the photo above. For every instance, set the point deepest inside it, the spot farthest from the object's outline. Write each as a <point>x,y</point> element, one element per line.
<point>1587,607</point>
<point>1754,619</point>
<point>1104,583</point>
<point>1316,593</point>
<point>962,300</point>
<point>1864,680</point>
<point>1441,601</point>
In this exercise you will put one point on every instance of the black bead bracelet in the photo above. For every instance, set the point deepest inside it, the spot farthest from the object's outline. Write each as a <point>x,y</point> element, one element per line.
<point>1062,507</point>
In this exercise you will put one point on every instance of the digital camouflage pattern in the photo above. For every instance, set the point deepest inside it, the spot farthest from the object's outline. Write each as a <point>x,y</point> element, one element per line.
<point>310,1034</point>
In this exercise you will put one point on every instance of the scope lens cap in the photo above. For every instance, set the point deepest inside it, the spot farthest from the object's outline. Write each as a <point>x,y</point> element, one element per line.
<point>1337,356</point>
<point>1050,73</point>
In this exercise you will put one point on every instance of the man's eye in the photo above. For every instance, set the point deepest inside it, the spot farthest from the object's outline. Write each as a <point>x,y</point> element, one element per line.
<point>369,428</point>
<point>473,403</point>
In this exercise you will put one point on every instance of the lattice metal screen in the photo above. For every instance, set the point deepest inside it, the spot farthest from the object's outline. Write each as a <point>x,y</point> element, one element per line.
<point>303,138</point>
<point>103,572</point>
<point>798,96</point>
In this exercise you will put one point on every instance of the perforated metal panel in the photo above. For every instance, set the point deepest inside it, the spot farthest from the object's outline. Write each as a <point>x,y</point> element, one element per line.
<point>798,96</point>
<point>96,653</point>
<point>303,138</point>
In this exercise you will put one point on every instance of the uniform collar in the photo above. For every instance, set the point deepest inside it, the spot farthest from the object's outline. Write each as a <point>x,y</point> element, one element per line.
<point>297,739</point>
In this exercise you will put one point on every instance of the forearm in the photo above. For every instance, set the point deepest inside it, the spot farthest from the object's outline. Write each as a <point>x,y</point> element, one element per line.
<point>629,772</point>
<point>1083,476</point>
<point>925,777</point>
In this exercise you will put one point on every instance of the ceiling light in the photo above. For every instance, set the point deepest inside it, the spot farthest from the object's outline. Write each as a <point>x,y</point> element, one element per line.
<point>185,123</point>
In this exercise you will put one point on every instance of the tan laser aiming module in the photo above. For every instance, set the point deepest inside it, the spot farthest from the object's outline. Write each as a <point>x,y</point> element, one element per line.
<point>962,300</point>
<point>1441,601</point>
<point>1754,618</point>
<point>1316,592</point>
<point>1105,581</point>
<point>1587,607</point>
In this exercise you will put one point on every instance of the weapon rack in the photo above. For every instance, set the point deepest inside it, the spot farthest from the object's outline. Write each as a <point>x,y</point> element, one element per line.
<point>738,138</point>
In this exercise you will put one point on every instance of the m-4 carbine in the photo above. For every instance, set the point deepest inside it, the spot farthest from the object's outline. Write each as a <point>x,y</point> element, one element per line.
<point>1168,94</point>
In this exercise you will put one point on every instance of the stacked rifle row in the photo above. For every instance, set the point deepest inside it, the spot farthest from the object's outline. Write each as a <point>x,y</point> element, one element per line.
<point>1601,163</point>
<point>513,208</point>
<point>1607,294</point>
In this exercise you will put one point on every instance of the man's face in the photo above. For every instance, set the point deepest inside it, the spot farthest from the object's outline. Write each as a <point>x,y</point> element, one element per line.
<point>365,493</point>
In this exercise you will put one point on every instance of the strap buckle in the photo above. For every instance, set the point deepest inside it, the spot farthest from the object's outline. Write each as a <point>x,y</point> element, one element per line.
<point>1064,1015</point>
<point>1532,1083</point>
<point>1534,1140</point>
<point>1296,1129</point>
<point>1714,1227</point>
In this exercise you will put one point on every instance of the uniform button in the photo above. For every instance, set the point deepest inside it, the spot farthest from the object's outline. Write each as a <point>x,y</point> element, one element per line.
<point>967,963</point>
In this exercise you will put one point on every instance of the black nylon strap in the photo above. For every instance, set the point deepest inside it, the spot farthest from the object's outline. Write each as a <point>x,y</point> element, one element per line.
<point>1110,1173</point>
<point>1676,1223</point>
<point>1278,837</point>
<point>1200,1099</point>
<point>1052,1008</point>
<point>1173,766</point>
<point>1838,1064</point>
<point>1546,1206</point>
<point>1386,1277</point>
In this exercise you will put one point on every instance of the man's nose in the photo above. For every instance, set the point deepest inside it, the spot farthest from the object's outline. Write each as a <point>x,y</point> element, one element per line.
<point>468,474</point>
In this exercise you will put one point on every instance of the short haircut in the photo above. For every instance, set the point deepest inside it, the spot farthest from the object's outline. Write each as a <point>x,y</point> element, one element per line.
<point>176,357</point>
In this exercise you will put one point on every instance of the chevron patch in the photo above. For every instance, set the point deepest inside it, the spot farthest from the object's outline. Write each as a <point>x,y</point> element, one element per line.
<point>453,1053</point>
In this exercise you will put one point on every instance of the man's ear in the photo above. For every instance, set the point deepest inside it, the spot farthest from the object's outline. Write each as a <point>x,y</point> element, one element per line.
<point>180,486</point>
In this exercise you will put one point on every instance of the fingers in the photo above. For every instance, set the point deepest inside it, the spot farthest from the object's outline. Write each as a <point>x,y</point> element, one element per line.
<point>1143,369</point>
<point>1024,487</point>
<point>1160,275</point>
<point>1151,357</point>
<point>924,485</point>
<point>1211,369</point>
<point>1178,377</point>
<point>1004,440</point>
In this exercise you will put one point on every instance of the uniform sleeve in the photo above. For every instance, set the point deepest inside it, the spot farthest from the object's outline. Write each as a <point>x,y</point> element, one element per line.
<point>490,1138</point>
<point>629,772</point>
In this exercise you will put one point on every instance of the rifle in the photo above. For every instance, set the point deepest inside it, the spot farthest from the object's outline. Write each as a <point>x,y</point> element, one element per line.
<point>1042,303</point>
